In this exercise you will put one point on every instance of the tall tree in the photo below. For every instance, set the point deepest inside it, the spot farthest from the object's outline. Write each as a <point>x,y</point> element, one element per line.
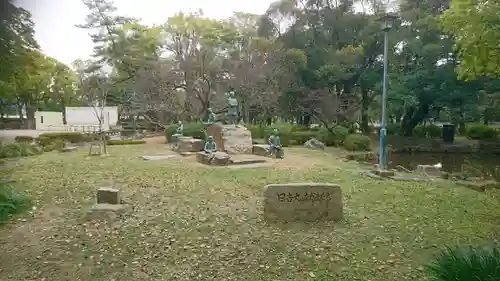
<point>476,29</point>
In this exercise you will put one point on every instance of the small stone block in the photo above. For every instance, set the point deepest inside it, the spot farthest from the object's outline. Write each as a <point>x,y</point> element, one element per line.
<point>383,173</point>
<point>69,149</point>
<point>159,157</point>
<point>429,170</point>
<point>479,185</point>
<point>411,178</point>
<point>303,202</point>
<point>371,175</point>
<point>107,195</point>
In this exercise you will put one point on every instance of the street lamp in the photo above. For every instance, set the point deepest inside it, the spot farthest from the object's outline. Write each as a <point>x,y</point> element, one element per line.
<point>387,22</point>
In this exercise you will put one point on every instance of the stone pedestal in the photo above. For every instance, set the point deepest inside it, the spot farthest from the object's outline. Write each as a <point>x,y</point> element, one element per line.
<point>263,150</point>
<point>231,139</point>
<point>217,159</point>
<point>188,144</point>
<point>108,205</point>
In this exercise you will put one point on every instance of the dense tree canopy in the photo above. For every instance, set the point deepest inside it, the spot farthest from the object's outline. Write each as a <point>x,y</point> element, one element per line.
<point>304,61</point>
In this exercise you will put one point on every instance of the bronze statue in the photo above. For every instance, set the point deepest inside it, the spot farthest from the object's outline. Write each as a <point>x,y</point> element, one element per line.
<point>275,144</point>
<point>178,133</point>
<point>232,108</point>
<point>210,146</point>
<point>212,118</point>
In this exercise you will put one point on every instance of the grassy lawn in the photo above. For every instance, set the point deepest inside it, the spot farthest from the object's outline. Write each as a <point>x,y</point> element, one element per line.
<point>197,223</point>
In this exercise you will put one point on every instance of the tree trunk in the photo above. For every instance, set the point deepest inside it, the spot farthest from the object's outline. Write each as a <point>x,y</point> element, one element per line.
<point>30,117</point>
<point>365,103</point>
<point>413,117</point>
<point>63,105</point>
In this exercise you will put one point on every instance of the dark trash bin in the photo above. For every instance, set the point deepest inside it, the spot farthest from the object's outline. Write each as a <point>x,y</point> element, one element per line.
<point>448,133</point>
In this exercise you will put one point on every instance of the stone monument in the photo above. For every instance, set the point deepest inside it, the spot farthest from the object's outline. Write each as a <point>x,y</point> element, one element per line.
<point>303,202</point>
<point>109,205</point>
<point>231,139</point>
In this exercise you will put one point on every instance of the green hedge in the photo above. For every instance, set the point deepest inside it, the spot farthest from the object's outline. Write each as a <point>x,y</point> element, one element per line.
<point>195,130</point>
<point>28,139</point>
<point>47,139</point>
<point>428,131</point>
<point>481,132</point>
<point>124,142</point>
<point>72,137</point>
<point>301,137</point>
<point>356,142</point>
<point>21,149</point>
<point>298,135</point>
<point>290,134</point>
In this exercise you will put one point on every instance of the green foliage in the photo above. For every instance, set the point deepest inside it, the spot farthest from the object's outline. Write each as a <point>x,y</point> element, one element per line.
<point>11,202</point>
<point>72,137</point>
<point>195,130</point>
<point>391,129</point>
<point>428,131</point>
<point>28,139</point>
<point>336,139</point>
<point>257,131</point>
<point>125,142</point>
<point>466,264</point>
<point>481,132</point>
<point>478,46</point>
<point>300,137</point>
<point>356,142</point>
<point>19,150</point>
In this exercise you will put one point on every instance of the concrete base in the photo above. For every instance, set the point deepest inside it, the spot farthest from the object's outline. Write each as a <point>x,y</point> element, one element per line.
<point>106,211</point>
<point>383,173</point>
<point>159,157</point>
<point>69,149</point>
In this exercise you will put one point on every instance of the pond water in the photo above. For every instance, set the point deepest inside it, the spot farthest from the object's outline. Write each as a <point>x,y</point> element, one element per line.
<point>451,162</point>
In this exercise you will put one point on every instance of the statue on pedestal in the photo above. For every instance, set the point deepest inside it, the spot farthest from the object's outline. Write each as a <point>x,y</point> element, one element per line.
<point>212,118</point>
<point>178,133</point>
<point>275,144</point>
<point>210,146</point>
<point>232,108</point>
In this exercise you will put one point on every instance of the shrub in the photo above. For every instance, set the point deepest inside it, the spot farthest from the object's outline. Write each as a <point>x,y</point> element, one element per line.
<point>391,129</point>
<point>329,139</point>
<point>11,202</point>
<point>481,132</point>
<point>125,142</point>
<point>72,137</point>
<point>429,131</point>
<point>434,131</point>
<point>300,137</point>
<point>195,130</point>
<point>19,150</point>
<point>28,139</point>
<point>466,264</point>
<point>256,130</point>
<point>355,142</point>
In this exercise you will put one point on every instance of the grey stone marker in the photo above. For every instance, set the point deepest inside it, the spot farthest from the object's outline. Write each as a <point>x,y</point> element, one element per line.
<point>303,202</point>
<point>107,195</point>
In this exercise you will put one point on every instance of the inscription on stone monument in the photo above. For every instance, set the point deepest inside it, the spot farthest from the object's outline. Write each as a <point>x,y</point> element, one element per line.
<point>303,202</point>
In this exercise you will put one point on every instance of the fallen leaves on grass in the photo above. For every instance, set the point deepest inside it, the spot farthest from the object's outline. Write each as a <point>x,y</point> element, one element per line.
<point>197,223</point>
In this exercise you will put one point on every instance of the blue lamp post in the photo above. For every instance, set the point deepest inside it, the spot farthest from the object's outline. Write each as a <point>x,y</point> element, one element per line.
<point>387,22</point>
